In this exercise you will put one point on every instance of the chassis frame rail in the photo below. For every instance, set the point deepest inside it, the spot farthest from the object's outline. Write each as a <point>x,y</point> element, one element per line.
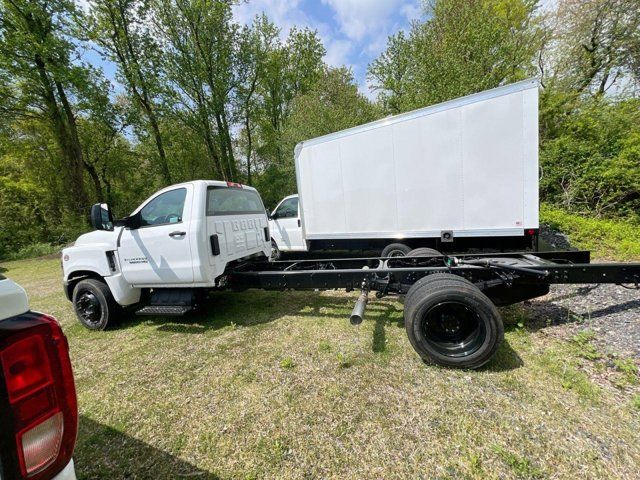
<point>395,275</point>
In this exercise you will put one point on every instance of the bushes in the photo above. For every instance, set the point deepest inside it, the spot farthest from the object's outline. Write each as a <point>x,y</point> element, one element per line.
<point>30,251</point>
<point>592,165</point>
<point>607,239</point>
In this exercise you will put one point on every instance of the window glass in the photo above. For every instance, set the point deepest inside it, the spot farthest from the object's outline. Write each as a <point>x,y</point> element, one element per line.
<point>288,208</point>
<point>233,201</point>
<point>165,208</point>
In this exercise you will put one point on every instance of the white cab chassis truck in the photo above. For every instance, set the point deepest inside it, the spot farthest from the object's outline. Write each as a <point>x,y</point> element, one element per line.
<point>456,176</point>
<point>180,240</point>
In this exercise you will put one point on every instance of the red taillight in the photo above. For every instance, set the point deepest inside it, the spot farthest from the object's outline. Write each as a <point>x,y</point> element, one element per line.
<point>26,367</point>
<point>531,232</point>
<point>41,394</point>
<point>234,185</point>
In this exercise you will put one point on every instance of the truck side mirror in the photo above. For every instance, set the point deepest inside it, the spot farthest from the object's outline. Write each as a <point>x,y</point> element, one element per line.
<point>101,218</point>
<point>131,222</point>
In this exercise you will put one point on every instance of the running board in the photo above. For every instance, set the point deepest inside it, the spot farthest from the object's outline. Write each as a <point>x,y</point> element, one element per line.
<point>165,310</point>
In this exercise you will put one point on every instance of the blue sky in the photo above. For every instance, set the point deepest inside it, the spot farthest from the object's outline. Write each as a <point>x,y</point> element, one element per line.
<point>354,32</point>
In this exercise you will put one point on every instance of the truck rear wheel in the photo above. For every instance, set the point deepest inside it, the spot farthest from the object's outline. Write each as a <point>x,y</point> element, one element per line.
<point>395,250</point>
<point>94,305</point>
<point>450,322</point>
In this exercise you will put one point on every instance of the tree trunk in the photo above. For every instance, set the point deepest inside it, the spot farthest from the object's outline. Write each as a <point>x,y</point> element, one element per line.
<point>66,137</point>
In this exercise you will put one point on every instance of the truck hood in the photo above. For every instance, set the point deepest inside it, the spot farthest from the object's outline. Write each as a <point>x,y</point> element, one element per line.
<point>99,237</point>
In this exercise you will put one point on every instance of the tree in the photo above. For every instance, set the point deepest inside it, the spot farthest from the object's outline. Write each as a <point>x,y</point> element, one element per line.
<point>463,47</point>
<point>121,29</point>
<point>42,81</point>
<point>202,49</point>
<point>596,44</point>
<point>332,104</point>
<point>290,68</point>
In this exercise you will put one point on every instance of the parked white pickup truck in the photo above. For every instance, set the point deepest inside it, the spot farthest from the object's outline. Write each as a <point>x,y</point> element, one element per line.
<point>181,238</point>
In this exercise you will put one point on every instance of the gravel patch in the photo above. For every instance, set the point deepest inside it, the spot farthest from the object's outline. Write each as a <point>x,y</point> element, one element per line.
<point>611,311</point>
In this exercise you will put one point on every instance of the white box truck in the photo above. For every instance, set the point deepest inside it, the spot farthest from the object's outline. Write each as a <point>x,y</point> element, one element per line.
<point>455,176</point>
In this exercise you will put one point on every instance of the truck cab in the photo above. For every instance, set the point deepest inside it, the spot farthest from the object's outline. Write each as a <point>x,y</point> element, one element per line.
<point>181,238</point>
<point>285,226</point>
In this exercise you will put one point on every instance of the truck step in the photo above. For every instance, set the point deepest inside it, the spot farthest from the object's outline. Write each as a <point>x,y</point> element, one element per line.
<point>165,310</point>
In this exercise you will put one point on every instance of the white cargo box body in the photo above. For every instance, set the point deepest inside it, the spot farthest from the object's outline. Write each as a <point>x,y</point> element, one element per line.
<point>469,166</point>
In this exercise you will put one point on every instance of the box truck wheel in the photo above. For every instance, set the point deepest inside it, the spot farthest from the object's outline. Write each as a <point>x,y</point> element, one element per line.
<point>275,251</point>
<point>450,322</point>
<point>395,250</point>
<point>94,305</point>
<point>424,252</point>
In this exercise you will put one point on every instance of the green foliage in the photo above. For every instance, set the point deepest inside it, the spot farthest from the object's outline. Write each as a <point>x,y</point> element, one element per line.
<point>607,239</point>
<point>463,48</point>
<point>629,370</point>
<point>33,250</point>
<point>522,467</point>
<point>592,163</point>
<point>583,342</point>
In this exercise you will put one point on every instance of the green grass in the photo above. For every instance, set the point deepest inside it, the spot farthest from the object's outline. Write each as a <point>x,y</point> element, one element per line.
<point>32,251</point>
<point>607,239</point>
<point>279,385</point>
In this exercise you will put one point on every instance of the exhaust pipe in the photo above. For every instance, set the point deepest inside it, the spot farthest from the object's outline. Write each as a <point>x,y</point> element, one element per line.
<point>358,310</point>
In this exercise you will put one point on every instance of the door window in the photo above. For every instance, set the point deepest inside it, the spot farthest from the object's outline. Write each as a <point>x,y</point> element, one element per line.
<point>164,209</point>
<point>287,209</point>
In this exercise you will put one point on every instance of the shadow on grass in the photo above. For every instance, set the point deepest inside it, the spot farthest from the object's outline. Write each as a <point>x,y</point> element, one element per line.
<point>104,452</point>
<point>506,358</point>
<point>547,313</point>
<point>255,307</point>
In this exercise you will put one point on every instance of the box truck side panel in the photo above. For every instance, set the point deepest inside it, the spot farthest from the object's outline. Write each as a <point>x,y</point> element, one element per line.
<point>428,160</point>
<point>469,165</point>
<point>492,163</point>
<point>320,178</point>
<point>368,181</point>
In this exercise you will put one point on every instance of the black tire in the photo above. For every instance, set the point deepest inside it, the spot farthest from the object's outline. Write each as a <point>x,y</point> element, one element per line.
<point>395,250</point>
<point>94,305</point>
<point>276,254</point>
<point>450,322</point>
<point>424,252</point>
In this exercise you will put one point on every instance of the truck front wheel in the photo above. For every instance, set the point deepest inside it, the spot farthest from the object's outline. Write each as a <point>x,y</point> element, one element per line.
<point>94,305</point>
<point>450,322</point>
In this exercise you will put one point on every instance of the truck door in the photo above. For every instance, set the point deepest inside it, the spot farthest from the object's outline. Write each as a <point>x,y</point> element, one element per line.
<point>286,228</point>
<point>159,251</point>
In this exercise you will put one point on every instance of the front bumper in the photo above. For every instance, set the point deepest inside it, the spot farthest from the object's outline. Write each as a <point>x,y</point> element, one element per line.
<point>67,290</point>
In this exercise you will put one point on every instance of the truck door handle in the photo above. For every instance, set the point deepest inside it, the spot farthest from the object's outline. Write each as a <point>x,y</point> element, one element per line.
<point>299,222</point>
<point>177,234</point>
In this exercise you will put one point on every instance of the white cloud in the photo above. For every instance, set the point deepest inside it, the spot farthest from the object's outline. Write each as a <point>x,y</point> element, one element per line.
<point>361,19</point>
<point>338,51</point>
<point>284,13</point>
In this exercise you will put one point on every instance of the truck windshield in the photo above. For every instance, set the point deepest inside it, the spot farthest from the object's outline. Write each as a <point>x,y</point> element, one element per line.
<point>232,201</point>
